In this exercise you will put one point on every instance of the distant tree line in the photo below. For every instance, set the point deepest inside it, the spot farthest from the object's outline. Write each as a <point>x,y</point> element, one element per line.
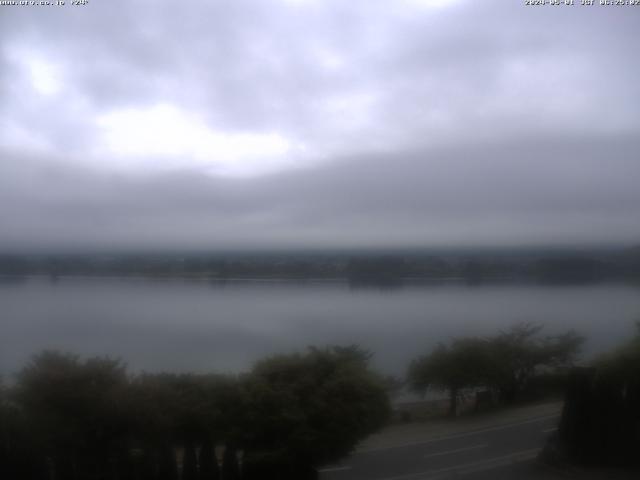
<point>363,269</point>
<point>71,419</point>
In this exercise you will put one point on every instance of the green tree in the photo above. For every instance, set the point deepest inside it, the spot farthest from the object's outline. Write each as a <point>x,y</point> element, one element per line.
<point>18,455</point>
<point>464,363</point>
<point>520,352</point>
<point>304,410</point>
<point>74,410</point>
<point>621,367</point>
<point>601,413</point>
<point>505,362</point>
<point>186,411</point>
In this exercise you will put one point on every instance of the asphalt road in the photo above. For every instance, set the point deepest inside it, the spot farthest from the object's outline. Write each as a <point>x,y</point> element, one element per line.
<point>499,452</point>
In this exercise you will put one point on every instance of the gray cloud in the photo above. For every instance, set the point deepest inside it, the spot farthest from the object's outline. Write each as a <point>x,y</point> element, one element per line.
<point>478,122</point>
<point>522,192</point>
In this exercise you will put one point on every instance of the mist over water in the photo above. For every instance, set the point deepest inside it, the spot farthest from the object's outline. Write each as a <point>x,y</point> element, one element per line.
<point>181,325</point>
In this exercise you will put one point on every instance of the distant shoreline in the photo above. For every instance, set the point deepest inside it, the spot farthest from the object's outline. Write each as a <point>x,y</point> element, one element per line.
<point>363,269</point>
<point>399,282</point>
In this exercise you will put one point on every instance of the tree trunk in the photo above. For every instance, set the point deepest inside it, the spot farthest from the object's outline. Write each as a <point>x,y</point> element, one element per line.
<point>453,402</point>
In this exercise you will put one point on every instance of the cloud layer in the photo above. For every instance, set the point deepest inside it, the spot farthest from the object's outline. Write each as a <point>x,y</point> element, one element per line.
<point>308,123</point>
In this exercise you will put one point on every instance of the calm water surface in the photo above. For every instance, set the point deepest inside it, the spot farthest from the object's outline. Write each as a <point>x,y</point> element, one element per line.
<point>183,325</point>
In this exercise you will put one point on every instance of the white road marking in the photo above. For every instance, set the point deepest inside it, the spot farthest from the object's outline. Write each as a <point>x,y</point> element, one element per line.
<point>464,449</point>
<point>459,435</point>
<point>468,468</point>
<point>334,469</point>
<point>549,430</point>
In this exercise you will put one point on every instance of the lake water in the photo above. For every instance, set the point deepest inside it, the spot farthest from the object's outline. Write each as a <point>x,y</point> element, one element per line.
<point>180,325</point>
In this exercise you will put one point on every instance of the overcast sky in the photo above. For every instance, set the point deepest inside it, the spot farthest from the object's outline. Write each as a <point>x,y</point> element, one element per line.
<point>309,123</point>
